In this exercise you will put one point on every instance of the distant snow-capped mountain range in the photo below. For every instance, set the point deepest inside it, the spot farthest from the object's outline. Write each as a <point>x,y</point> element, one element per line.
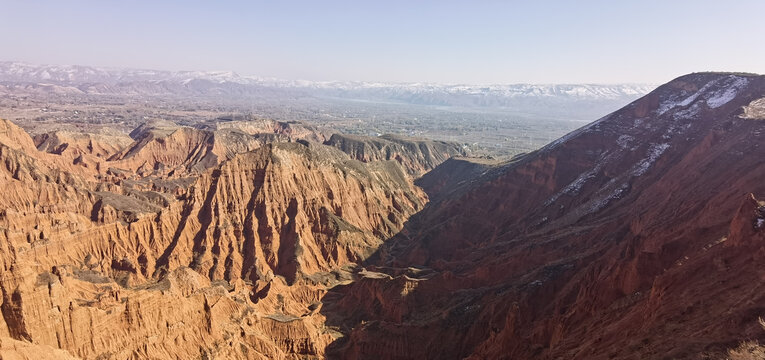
<point>94,80</point>
<point>78,74</point>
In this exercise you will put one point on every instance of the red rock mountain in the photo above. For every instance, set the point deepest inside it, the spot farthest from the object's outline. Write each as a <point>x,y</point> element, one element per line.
<point>639,236</point>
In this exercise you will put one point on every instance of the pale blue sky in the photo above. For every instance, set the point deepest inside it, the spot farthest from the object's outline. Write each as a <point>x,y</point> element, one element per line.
<point>402,41</point>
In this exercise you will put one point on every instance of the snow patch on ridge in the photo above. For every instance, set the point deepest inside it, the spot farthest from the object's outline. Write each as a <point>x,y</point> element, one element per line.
<point>654,152</point>
<point>729,87</point>
<point>617,187</point>
<point>624,141</point>
<point>600,202</point>
<point>688,113</point>
<point>669,105</point>
<point>596,205</point>
<point>729,93</point>
<point>575,186</point>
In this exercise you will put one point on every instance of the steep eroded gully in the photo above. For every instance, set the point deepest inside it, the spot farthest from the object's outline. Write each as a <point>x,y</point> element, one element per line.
<point>233,267</point>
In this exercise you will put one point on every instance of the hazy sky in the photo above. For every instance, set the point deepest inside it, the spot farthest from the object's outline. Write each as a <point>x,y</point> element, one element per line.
<point>388,40</point>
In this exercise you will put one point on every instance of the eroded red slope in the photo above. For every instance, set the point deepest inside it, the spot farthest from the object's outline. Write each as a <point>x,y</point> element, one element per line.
<point>609,243</point>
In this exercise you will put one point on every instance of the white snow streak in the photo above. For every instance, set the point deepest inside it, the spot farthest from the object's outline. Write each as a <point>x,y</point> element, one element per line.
<point>722,98</point>
<point>654,152</point>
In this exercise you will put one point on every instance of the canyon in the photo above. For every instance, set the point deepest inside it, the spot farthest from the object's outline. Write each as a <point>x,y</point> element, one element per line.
<point>638,236</point>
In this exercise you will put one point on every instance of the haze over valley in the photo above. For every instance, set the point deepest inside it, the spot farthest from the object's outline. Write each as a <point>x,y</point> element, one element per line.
<point>495,120</point>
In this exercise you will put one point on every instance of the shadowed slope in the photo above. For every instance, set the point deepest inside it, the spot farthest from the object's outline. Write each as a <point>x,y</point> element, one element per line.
<point>606,243</point>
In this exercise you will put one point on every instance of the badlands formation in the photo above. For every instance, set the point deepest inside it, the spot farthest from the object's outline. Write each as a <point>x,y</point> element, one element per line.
<point>639,236</point>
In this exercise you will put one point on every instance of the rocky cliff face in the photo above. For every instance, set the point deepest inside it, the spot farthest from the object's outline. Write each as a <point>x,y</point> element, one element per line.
<point>290,130</point>
<point>89,151</point>
<point>291,210</point>
<point>226,258</point>
<point>417,156</point>
<point>77,144</point>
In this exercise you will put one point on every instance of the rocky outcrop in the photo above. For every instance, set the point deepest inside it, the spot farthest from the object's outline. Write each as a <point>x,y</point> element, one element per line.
<point>86,150</point>
<point>76,144</point>
<point>417,156</point>
<point>289,210</point>
<point>14,137</point>
<point>292,130</point>
<point>165,149</point>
